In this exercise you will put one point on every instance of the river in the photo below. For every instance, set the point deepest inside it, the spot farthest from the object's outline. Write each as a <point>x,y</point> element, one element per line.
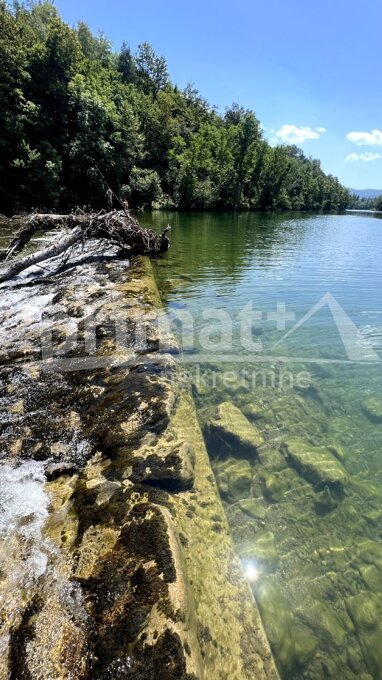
<point>280,322</point>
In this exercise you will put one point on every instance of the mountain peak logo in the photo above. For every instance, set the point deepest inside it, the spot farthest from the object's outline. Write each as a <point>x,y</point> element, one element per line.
<point>357,348</point>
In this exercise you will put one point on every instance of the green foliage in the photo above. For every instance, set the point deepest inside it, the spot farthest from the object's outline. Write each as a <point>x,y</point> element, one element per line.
<point>364,203</point>
<point>127,65</point>
<point>76,118</point>
<point>151,69</point>
<point>144,187</point>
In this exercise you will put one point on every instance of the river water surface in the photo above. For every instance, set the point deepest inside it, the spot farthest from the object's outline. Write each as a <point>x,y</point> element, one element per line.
<point>280,321</point>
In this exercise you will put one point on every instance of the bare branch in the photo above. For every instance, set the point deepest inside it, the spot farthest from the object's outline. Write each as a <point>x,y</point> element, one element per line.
<point>115,228</point>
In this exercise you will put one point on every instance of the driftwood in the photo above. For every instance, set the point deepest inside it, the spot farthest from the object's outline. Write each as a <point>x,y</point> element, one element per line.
<point>116,228</point>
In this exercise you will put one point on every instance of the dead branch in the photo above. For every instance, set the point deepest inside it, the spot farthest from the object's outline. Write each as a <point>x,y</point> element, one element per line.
<point>116,228</point>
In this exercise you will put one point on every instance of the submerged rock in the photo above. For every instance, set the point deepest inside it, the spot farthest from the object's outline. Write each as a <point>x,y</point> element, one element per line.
<point>325,501</point>
<point>365,610</point>
<point>337,451</point>
<point>253,411</point>
<point>294,644</point>
<point>372,577</point>
<point>233,429</point>
<point>253,507</point>
<point>316,464</point>
<point>321,619</point>
<point>373,409</point>
<point>234,479</point>
<point>369,552</point>
<point>275,488</point>
<point>262,551</point>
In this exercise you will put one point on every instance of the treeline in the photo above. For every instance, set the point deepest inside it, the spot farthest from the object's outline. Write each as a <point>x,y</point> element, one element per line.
<point>363,203</point>
<point>76,117</point>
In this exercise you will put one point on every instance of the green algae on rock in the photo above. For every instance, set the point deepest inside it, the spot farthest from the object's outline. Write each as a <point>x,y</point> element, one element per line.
<point>234,479</point>
<point>365,610</point>
<point>316,464</point>
<point>294,644</point>
<point>262,550</point>
<point>234,430</point>
<point>373,409</point>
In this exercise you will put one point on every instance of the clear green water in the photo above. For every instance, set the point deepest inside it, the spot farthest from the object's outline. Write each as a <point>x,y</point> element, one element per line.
<point>311,545</point>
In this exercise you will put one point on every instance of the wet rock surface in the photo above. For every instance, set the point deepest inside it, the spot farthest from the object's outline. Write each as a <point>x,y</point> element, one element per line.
<point>121,565</point>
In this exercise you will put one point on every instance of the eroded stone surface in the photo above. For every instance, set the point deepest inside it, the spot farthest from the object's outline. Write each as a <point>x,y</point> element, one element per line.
<point>138,570</point>
<point>111,595</point>
<point>165,461</point>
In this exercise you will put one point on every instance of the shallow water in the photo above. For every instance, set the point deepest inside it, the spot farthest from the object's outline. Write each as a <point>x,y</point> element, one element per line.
<point>305,509</point>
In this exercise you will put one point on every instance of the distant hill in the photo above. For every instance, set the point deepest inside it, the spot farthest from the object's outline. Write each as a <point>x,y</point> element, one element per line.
<point>366,193</point>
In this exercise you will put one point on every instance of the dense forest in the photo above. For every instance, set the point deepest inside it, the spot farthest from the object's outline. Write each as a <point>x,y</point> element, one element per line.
<point>364,203</point>
<point>76,118</point>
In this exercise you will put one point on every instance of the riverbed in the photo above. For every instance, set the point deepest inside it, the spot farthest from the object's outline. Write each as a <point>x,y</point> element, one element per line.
<point>280,323</point>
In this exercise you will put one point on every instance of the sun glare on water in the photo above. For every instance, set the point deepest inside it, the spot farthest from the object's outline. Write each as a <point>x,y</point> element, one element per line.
<point>252,572</point>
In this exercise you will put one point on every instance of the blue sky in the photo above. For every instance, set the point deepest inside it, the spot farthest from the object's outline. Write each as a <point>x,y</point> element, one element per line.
<point>303,67</point>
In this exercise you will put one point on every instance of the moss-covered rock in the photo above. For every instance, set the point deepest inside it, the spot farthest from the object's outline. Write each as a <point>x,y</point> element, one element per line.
<point>321,618</point>
<point>294,645</point>
<point>253,507</point>
<point>373,409</point>
<point>275,487</point>
<point>316,464</point>
<point>325,500</point>
<point>372,577</point>
<point>369,552</point>
<point>364,609</point>
<point>234,479</point>
<point>232,428</point>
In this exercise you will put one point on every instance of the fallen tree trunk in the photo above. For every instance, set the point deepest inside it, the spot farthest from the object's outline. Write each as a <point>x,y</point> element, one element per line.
<point>45,254</point>
<point>31,225</point>
<point>115,228</point>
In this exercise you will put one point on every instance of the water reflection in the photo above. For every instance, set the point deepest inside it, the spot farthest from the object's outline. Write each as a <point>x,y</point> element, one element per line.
<point>298,464</point>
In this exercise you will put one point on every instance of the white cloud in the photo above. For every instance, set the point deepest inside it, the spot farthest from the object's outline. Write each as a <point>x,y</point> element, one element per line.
<point>291,134</point>
<point>369,156</point>
<point>373,138</point>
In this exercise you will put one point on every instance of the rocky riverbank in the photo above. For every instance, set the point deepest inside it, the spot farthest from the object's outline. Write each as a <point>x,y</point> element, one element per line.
<point>116,557</point>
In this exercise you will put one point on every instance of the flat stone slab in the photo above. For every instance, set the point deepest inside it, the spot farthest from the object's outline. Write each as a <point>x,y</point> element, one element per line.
<point>234,427</point>
<point>316,464</point>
